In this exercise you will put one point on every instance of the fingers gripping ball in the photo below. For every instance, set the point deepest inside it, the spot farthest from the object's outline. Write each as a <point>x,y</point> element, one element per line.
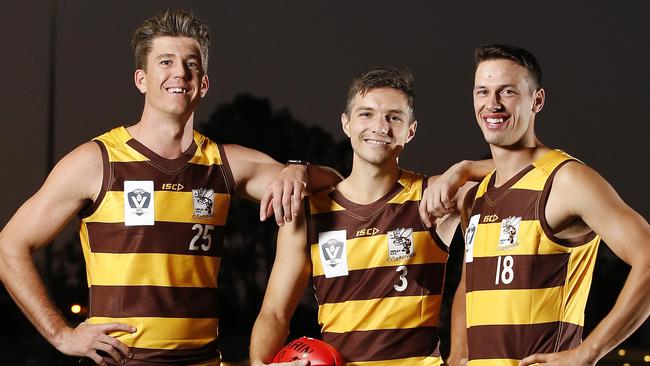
<point>317,352</point>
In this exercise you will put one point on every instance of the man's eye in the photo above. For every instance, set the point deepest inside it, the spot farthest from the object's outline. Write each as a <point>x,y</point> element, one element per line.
<point>508,92</point>
<point>165,62</point>
<point>393,118</point>
<point>481,92</point>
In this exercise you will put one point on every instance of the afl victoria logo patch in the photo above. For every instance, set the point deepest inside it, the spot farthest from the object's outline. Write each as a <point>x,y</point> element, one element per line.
<point>332,251</point>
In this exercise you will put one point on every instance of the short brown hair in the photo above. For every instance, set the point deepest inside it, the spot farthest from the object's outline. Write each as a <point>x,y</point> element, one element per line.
<point>175,23</point>
<point>383,77</point>
<point>516,54</point>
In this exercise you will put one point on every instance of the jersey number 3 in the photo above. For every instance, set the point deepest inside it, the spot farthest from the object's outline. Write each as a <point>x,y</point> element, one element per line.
<point>403,282</point>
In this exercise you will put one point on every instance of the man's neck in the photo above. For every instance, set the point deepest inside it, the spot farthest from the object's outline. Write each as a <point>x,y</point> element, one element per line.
<point>167,137</point>
<point>510,161</point>
<point>367,182</point>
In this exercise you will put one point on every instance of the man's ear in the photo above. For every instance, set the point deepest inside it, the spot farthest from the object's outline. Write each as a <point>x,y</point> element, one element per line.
<point>139,79</point>
<point>538,103</point>
<point>412,127</point>
<point>345,124</point>
<point>205,85</point>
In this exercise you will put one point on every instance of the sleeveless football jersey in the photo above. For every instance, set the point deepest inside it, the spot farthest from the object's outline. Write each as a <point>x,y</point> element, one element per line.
<point>152,243</point>
<point>525,289</point>
<point>378,275</point>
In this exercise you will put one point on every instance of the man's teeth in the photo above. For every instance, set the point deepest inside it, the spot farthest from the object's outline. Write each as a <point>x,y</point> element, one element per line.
<point>376,142</point>
<point>494,120</point>
<point>177,90</point>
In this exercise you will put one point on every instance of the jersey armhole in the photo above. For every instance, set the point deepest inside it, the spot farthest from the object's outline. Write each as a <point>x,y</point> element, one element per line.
<point>432,230</point>
<point>310,226</point>
<point>541,214</point>
<point>107,174</point>
<point>227,173</point>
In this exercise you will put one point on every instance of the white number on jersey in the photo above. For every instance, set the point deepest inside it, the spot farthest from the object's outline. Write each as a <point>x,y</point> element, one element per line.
<point>403,282</point>
<point>203,233</point>
<point>504,270</point>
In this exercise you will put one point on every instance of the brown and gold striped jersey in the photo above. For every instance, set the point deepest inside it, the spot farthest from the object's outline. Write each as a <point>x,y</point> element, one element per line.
<point>378,274</point>
<point>526,288</point>
<point>152,242</point>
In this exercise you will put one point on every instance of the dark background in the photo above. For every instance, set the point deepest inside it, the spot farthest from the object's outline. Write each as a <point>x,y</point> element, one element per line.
<point>299,57</point>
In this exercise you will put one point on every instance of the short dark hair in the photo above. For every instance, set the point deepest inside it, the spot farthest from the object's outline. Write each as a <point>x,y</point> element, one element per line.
<point>175,23</point>
<point>383,77</point>
<point>519,55</point>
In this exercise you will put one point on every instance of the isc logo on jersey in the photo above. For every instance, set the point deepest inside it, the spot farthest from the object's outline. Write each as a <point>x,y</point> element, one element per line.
<point>172,187</point>
<point>400,244</point>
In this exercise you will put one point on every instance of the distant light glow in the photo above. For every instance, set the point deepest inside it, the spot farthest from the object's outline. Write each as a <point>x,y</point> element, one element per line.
<point>646,358</point>
<point>621,352</point>
<point>75,309</point>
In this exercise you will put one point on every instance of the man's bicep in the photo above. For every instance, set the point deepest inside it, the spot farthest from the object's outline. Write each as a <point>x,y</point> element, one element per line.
<point>291,269</point>
<point>466,204</point>
<point>73,182</point>
<point>589,196</point>
<point>252,170</point>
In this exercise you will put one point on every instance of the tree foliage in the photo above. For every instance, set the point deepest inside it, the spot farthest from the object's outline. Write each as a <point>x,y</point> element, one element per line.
<point>249,247</point>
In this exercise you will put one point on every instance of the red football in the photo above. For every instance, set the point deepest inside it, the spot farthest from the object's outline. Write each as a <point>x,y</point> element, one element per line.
<point>316,351</point>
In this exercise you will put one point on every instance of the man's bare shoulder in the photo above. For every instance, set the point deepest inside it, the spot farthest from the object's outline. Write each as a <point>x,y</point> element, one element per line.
<point>575,181</point>
<point>578,195</point>
<point>75,180</point>
<point>81,170</point>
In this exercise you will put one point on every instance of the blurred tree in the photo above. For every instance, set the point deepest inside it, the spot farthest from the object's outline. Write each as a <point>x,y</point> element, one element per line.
<point>249,247</point>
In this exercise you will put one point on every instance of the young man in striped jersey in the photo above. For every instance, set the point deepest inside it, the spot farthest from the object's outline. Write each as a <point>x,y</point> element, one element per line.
<point>153,198</point>
<point>533,229</point>
<point>377,268</point>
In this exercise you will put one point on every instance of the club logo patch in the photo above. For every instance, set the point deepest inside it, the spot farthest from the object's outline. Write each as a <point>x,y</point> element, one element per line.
<point>400,244</point>
<point>509,232</point>
<point>333,253</point>
<point>203,200</point>
<point>138,203</point>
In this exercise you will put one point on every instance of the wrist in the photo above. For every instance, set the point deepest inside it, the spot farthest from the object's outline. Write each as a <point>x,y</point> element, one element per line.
<point>589,354</point>
<point>301,165</point>
<point>465,168</point>
<point>59,336</point>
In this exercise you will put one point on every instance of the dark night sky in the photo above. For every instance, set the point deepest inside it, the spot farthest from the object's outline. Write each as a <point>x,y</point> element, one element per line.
<point>303,54</point>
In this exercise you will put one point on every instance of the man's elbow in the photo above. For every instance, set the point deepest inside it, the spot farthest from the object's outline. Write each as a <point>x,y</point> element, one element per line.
<point>274,317</point>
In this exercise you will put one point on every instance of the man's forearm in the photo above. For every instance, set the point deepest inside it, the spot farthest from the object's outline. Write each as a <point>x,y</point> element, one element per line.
<point>25,286</point>
<point>458,328</point>
<point>475,170</point>
<point>321,177</point>
<point>268,336</point>
<point>628,314</point>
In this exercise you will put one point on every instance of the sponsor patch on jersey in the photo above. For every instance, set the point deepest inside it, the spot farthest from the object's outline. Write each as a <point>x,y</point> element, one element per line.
<point>470,235</point>
<point>509,231</point>
<point>400,244</point>
<point>203,199</point>
<point>333,253</point>
<point>138,202</point>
